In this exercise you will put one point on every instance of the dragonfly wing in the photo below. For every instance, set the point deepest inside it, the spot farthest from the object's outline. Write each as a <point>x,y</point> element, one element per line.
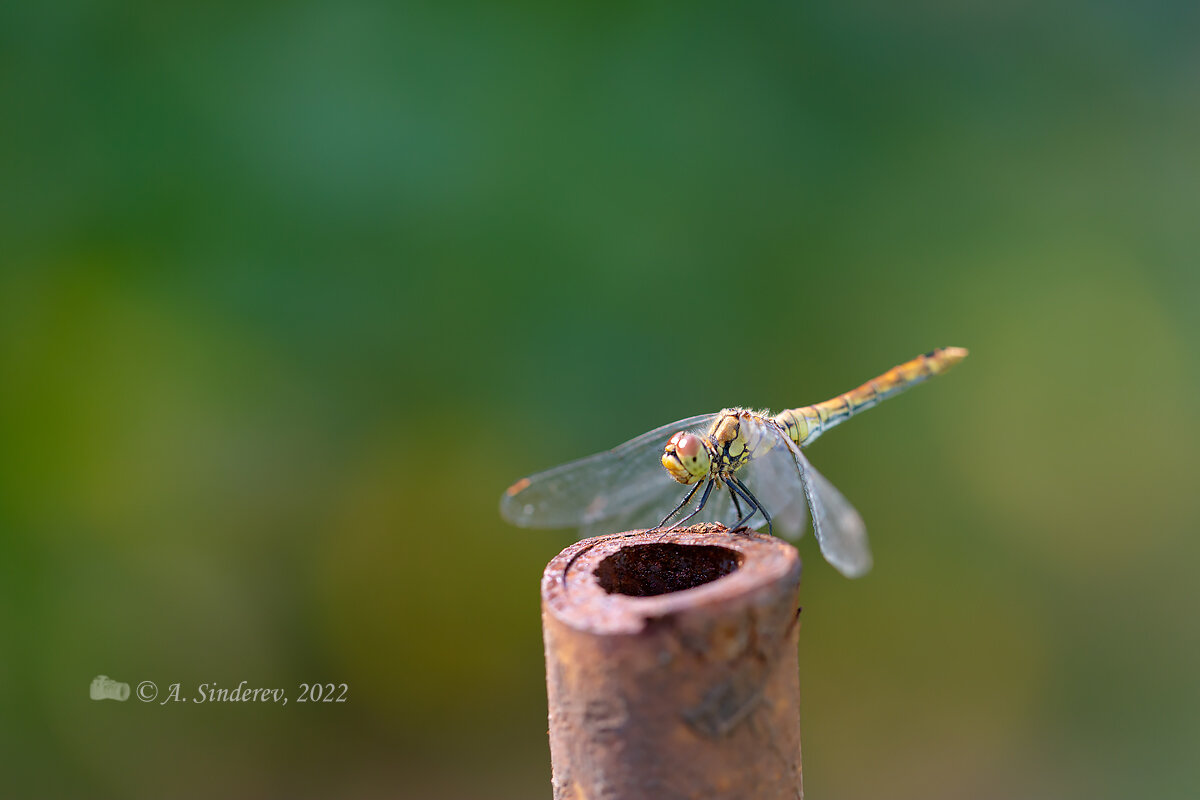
<point>623,486</point>
<point>654,507</point>
<point>840,529</point>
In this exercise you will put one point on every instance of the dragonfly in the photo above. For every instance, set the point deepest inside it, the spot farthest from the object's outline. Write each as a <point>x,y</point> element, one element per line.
<point>747,467</point>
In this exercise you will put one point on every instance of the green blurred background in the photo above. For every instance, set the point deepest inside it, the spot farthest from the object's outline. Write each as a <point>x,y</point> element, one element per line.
<point>291,292</point>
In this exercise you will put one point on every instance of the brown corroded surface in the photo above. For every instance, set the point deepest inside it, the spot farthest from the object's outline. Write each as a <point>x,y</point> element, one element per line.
<point>671,666</point>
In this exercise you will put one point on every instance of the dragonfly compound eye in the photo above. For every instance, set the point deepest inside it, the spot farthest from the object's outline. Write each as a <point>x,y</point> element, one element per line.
<point>686,458</point>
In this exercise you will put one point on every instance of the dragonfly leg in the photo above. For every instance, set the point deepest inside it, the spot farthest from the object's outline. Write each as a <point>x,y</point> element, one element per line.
<point>675,510</point>
<point>745,492</point>
<point>703,499</point>
<point>754,507</point>
<point>736,505</point>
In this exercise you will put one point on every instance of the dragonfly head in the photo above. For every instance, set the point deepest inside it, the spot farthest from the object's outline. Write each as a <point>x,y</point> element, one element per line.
<point>686,457</point>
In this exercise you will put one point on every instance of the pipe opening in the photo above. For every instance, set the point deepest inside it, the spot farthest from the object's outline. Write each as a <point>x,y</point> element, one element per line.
<point>643,570</point>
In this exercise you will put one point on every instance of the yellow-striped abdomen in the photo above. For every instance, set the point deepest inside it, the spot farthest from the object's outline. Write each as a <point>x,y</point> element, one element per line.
<point>805,424</point>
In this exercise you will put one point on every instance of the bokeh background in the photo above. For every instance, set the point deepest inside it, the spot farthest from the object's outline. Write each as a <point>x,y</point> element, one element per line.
<point>292,291</point>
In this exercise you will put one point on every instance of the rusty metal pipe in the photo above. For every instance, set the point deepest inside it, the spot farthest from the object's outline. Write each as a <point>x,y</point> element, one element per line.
<point>671,666</point>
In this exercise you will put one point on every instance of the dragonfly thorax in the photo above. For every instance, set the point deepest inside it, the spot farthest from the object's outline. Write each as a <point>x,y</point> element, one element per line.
<point>688,457</point>
<point>733,442</point>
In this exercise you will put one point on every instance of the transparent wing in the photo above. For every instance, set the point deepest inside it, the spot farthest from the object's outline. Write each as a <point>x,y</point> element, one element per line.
<point>783,481</point>
<point>605,492</point>
<point>655,507</point>
<point>840,529</point>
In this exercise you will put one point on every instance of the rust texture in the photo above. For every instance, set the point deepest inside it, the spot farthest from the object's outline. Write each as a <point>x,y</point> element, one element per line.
<point>671,666</point>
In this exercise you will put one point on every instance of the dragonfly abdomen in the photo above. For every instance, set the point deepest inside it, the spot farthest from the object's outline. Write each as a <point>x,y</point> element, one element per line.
<point>805,424</point>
